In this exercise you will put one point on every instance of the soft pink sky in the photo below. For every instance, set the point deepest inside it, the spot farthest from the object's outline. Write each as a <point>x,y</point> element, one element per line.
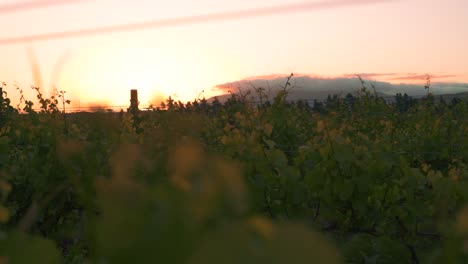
<point>406,36</point>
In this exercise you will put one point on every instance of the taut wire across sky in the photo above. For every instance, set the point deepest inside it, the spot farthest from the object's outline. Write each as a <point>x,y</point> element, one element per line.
<point>187,20</point>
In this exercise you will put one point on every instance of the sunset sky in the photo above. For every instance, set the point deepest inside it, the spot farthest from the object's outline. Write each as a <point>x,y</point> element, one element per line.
<point>397,41</point>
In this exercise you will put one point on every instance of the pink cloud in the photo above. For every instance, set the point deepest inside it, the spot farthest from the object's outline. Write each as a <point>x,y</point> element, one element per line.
<point>368,75</point>
<point>421,77</point>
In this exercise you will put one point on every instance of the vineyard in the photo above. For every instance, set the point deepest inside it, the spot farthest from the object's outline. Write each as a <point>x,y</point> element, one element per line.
<point>348,180</point>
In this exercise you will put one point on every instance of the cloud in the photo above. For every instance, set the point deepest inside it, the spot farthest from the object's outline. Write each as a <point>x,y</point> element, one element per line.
<point>421,77</point>
<point>399,76</point>
<point>368,75</point>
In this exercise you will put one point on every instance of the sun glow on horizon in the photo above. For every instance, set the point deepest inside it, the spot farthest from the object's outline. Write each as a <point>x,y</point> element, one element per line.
<point>105,75</point>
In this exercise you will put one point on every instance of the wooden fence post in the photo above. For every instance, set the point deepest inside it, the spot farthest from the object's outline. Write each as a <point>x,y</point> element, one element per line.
<point>134,100</point>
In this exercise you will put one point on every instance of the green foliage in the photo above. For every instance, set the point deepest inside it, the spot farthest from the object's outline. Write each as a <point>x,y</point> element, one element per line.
<point>351,180</point>
<point>17,247</point>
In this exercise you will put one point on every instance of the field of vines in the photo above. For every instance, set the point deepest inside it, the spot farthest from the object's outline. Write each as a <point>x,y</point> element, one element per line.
<point>347,180</point>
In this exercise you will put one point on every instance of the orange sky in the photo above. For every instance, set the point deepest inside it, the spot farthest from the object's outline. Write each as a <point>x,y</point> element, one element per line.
<point>393,38</point>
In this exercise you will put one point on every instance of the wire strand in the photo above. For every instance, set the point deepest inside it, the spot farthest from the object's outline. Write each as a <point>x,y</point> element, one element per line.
<point>196,19</point>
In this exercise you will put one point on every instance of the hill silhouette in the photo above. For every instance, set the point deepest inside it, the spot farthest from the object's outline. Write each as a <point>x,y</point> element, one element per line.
<point>312,87</point>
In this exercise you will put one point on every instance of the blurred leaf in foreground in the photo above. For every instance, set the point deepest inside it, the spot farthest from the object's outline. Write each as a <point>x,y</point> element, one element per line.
<point>251,242</point>
<point>17,247</point>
